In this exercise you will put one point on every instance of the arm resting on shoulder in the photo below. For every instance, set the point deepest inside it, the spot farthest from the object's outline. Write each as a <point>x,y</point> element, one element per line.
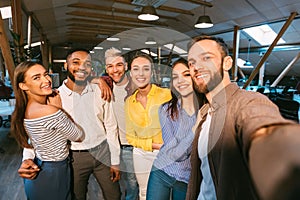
<point>106,90</point>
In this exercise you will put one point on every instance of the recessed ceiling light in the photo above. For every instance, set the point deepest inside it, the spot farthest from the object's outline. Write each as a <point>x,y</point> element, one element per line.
<point>98,48</point>
<point>113,39</point>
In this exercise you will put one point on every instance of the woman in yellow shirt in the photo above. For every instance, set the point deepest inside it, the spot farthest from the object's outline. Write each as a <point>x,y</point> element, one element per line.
<point>143,129</point>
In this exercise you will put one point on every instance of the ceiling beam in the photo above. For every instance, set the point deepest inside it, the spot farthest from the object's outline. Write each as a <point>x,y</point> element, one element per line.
<point>200,2</point>
<point>111,9</point>
<point>164,8</point>
<point>97,27</point>
<point>117,18</point>
<point>106,22</point>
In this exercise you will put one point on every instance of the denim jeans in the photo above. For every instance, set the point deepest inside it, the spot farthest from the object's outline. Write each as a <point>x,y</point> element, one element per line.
<point>52,182</point>
<point>161,186</point>
<point>128,182</point>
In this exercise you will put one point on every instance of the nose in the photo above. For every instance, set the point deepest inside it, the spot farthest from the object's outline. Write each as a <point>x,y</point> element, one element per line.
<point>198,66</point>
<point>115,68</point>
<point>180,79</point>
<point>141,72</point>
<point>82,66</point>
<point>47,78</point>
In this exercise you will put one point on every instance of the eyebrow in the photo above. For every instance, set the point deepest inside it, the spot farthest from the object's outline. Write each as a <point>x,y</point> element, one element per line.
<point>35,75</point>
<point>142,66</point>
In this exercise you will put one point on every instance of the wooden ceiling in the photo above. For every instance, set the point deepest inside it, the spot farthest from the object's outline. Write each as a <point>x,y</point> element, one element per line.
<point>86,23</point>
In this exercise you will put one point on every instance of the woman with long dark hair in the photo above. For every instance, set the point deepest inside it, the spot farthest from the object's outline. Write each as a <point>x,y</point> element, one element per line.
<point>171,169</point>
<point>39,122</point>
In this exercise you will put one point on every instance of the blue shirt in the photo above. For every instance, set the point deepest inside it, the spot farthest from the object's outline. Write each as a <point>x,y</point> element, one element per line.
<point>174,156</point>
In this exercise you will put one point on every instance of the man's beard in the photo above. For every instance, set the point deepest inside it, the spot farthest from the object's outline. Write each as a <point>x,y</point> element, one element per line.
<point>71,76</point>
<point>215,80</point>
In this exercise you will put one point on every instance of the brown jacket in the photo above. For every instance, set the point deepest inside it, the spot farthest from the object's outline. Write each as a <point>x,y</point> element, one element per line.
<point>236,115</point>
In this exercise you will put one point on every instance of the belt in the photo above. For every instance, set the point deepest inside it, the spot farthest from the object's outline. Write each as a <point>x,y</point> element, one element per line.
<point>91,149</point>
<point>125,146</point>
<point>84,150</point>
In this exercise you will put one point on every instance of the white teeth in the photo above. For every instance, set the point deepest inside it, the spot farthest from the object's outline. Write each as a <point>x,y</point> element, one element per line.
<point>182,86</point>
<point>202,76</point>
<point>79,73</point>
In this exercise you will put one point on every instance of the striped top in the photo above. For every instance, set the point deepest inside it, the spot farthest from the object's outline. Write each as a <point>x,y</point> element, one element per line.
<point>49,135</point>
<point>174,156</point>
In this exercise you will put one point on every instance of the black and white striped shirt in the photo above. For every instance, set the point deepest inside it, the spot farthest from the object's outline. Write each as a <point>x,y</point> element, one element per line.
<point>49,135</point>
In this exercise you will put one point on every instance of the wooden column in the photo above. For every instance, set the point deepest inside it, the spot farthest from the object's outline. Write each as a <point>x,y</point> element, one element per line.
<point>264,58</point>
<point>17,27</point>
<point>44,51</point>
<point>5,48</point>
<point>2,68</point>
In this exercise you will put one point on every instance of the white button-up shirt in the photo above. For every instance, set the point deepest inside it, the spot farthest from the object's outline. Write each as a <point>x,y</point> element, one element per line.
<point>95,116</point>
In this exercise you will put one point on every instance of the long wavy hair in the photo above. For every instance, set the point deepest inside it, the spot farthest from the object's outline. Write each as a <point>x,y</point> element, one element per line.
<point>18,115</point>
<point>199,99</point>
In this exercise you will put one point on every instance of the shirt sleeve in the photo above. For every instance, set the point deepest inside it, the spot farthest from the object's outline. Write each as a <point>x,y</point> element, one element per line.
<point>28,154</point>
<point>257,113</point>
<point>64,125</point>
<point>110,124</point>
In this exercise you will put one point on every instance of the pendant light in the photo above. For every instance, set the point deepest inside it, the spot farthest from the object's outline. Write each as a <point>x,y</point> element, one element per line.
<point>248,63</point>
<point>150,41</point>
<point>148,13</point>
<point>204,21</point>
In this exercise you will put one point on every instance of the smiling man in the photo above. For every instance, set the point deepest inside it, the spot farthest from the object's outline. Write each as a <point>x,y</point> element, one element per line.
<point>240,136</point>
<point>99,152</point>
<point>116,68</point>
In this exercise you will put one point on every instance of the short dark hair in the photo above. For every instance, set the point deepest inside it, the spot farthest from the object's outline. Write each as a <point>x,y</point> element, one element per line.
<point>70,52</point>
<point>220,41</point>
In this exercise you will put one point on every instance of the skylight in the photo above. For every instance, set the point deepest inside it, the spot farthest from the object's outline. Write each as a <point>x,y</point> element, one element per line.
<point>147,52</point>
<point>6,12</point>
<point>263,34</point>
<point>176,48</point>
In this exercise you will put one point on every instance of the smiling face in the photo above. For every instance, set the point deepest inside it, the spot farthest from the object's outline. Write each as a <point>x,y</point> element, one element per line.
<point>115,68</point>
<point>37,81</point>
<point>181,79</point>
<point>206,65</point>
<point>79,67</point>
<point>141,72</point>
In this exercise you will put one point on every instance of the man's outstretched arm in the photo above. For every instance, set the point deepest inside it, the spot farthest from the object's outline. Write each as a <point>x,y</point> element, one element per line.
<point>274,159</point>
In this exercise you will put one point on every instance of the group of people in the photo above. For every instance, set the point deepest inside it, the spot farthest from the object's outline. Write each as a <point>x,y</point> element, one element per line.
<point>204,138</point>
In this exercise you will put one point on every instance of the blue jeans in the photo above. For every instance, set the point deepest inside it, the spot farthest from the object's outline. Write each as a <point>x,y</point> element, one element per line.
<point>161,186</point>
<point>52,182</point>
<point>128,183</point>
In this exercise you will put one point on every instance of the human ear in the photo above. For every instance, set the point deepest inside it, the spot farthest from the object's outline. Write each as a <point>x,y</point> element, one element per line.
<point>23,86</point>
<point>126,66</point>
<point>66,66</point>
<point>227,63</point>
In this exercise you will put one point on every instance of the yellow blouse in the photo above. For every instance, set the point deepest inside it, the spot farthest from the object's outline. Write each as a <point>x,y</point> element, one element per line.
<point>142,124</point>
